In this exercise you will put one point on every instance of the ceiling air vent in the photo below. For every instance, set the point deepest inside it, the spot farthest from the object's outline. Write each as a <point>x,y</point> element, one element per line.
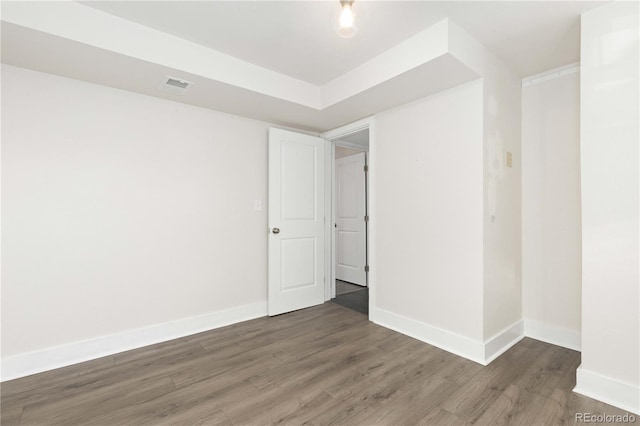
<point>175,85</point>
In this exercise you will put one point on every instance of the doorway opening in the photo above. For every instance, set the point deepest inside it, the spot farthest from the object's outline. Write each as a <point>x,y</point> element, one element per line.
<point>310,238</point>
<point>349,237</point>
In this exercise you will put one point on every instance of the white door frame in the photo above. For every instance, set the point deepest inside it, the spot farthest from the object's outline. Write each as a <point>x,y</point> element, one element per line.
<point>330,267</point>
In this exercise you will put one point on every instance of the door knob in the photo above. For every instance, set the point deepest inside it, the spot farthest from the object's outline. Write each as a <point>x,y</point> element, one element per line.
<point>276,230</point>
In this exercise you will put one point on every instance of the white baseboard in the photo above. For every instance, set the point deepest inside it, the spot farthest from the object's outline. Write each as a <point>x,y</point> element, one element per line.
<point>608,390</point>
<point>25,364</point>
<point>555,335</point>
<point>474,350</point>
<point>503,341</point>
<point>450,342</point>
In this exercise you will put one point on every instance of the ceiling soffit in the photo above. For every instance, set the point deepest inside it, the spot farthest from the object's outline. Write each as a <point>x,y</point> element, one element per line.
<point>421,65</point>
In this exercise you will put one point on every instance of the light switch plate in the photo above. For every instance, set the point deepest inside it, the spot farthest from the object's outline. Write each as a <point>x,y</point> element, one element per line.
<point>509,160</point>
<point>257,205</point>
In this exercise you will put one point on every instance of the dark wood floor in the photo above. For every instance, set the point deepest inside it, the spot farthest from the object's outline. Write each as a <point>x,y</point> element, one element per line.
<point>352,296</point>
<point>323,365</point>
<point>343,287</point>
<point>355,300</point>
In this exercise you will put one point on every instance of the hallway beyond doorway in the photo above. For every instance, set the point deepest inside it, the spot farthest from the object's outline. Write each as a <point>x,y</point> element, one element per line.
<point>343,287</point>
<point>352,296</point>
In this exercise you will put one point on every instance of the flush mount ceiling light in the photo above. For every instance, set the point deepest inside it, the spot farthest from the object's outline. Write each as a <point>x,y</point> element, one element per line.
<point>346,28</point>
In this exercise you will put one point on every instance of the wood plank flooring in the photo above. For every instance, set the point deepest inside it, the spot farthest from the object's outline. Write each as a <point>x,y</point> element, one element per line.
<point>322,365</point>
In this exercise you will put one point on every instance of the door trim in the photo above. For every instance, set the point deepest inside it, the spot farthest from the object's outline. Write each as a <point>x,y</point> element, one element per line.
<point>330,267</point>
<point>348,129</point>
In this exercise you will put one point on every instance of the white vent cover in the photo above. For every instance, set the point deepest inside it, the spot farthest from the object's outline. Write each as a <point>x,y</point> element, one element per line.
<point>175,85</point>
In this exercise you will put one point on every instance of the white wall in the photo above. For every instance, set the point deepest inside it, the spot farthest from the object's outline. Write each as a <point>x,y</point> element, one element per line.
<point>551,227</point>
<point>446,218</point>
<point>428,211</point>
<point>502,201</point>
<point>121,211</point>
<point>502,295</point>
<point>609,166</point>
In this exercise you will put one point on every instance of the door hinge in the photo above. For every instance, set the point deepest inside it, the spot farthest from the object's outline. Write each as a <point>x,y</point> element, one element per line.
<point>366,168</point>
<point>366,268</point>
<point>366,218</point>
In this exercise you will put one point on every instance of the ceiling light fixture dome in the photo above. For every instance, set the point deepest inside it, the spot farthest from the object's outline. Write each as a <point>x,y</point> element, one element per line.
<point>346,28</point>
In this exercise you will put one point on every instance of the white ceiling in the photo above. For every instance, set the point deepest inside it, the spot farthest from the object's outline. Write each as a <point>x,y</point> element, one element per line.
<point>282,62</point>
<point>298,39</point>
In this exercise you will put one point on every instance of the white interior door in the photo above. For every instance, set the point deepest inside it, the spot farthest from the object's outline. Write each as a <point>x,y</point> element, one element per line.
<point>351,239</point>
<point>296,221</point>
